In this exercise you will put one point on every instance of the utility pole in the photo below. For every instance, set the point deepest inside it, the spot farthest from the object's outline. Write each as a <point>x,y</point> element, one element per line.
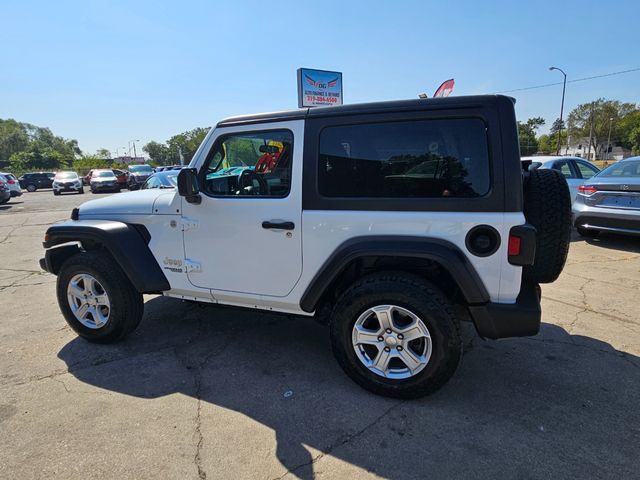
<point>609,138</point>
<point>590,132</point>
<point>564,86</point>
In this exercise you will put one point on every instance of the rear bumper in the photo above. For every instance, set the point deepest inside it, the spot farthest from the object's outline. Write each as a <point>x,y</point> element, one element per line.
<point>502,320</point>
<point>15,193</point>
<point>614,221</point>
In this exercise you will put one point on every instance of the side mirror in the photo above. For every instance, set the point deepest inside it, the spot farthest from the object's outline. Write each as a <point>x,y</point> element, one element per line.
<point>188,185</point>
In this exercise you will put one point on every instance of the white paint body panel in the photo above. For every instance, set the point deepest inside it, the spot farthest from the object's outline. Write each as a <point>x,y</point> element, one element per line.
<point>243,264</point>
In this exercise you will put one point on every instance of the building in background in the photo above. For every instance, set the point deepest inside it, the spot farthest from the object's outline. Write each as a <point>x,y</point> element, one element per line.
<point>127,160</point>
<point>580,148</point>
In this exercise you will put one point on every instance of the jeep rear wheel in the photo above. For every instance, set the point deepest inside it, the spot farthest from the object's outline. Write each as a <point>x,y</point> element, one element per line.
<point>395,334</point>
<point>547,206</point>
<point>97,299</point>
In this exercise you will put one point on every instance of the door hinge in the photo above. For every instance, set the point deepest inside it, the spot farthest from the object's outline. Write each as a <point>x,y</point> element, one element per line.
<point>192,267</point>
<point>189,224</point>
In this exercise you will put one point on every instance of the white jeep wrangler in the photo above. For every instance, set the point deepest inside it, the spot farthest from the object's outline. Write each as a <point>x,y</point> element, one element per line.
<point>391,222</point>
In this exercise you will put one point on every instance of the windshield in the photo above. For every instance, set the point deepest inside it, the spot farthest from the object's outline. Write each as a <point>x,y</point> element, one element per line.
<point>622,169</point>
<point>66,176</point>
<point>140,169</point>
<point>105,175</point>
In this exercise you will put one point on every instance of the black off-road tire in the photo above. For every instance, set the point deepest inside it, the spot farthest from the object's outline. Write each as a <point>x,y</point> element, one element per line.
<point>420,297</point>
<point>56,193</point>
<point>127,306</point>
<point>547,206</point>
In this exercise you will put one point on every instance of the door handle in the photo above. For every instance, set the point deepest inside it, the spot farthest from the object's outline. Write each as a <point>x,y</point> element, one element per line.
<point>279,225</point>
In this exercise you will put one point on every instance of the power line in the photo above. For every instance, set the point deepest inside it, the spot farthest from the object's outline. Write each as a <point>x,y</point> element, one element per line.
<point>572,81</point>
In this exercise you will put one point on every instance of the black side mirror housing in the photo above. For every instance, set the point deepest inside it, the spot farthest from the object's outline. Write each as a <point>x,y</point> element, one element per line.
<point>188,185</point>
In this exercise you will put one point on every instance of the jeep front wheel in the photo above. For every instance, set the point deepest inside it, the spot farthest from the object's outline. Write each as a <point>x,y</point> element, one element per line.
<point>395,334</point>
<point>97,299</point>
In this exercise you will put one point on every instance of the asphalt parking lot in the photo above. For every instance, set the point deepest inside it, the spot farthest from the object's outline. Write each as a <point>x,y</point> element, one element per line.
<point>209,392</point>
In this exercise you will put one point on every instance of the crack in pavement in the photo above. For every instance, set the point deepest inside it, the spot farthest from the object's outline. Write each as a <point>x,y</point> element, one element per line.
<point>581,262</point>
<point>341,441</point>
<point>589,309</point>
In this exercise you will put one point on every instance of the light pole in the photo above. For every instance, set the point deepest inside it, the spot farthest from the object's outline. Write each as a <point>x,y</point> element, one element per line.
<point>564,85</point>
<point>609,138</point>
<point>134,147</point>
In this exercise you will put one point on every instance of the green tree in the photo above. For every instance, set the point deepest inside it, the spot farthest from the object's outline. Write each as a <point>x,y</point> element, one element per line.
<point>527,135</point>
<point>596,117</point>
<point>158,152</point>
<point>629,132</point>
<point>83,164</point>
<point>186,143</point>
<point>103,153</point>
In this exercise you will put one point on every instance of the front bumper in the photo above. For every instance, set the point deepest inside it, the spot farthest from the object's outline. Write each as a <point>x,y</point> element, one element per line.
<point>96,187</point>
<point>67,188</point>
<point>503,320</point>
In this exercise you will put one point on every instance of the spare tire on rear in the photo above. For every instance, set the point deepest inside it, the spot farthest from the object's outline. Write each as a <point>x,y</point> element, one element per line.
<point>547,206</point>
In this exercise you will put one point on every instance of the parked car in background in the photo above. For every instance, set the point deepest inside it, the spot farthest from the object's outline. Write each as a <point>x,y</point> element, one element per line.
<point>67,182</point>
<point>33,181</point>
<point>610,201</point>
<point>166,179</point>
<point>104,181</point>
<point>122,176</point>
<point>575,169</point>
<point>5,194</point>
<point>138,174</point>
<point>12,183</point>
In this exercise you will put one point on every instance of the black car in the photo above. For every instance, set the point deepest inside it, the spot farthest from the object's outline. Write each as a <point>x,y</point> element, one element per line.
<point>33,181</point>
<point>138,174</point>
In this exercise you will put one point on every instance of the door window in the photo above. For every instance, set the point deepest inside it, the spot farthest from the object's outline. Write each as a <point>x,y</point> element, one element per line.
<point>586,170</point>
<point>250,164</point>
<point>564,168</point>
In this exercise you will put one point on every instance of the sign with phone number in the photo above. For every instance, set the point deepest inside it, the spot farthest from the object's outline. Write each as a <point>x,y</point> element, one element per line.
<point>319,87</point>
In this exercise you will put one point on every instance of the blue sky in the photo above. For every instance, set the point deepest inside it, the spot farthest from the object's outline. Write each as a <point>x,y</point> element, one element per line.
<point>106,72</point>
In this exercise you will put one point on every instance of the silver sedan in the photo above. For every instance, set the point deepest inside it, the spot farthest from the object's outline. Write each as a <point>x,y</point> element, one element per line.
<point>610,201</point>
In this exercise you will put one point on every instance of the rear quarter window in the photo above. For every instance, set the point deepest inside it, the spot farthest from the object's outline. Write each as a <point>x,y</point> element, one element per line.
<point>421,159</point>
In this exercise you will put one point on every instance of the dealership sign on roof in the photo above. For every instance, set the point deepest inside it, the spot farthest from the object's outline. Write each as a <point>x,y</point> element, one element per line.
<point>319,88</point>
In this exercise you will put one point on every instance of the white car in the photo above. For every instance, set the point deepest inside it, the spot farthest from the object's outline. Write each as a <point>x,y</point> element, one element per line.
<point>391,222</point>
<point>575,169</point>
<point>67,182</point>
<point>12,182</point>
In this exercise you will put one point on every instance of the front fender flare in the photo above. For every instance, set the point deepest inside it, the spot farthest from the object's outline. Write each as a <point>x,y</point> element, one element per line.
<point>125,242</point>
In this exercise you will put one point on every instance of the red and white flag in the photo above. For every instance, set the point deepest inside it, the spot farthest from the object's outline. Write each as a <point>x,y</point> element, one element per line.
<point>445,89</point>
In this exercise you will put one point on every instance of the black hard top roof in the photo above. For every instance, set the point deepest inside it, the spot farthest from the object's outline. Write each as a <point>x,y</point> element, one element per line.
<point>361,108</point>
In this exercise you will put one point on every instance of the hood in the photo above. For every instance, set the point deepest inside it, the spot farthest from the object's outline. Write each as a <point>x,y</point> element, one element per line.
<point>138,202</point>
<point>104,179</point>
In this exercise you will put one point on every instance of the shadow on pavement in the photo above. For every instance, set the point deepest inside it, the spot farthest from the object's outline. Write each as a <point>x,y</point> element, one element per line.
<point>555,405</point>
<point>611,241</point>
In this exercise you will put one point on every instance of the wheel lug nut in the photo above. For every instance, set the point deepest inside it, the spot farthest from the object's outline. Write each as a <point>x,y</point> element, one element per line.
<point>399,348</point>
<point>387,349</point>
<point>388,330</point>
<point>380,339</point>
<point>400,336</point>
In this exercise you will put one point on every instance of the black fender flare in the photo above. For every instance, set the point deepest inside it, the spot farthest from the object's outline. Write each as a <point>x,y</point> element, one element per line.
<point>128,244</point>
<point>445,253</point>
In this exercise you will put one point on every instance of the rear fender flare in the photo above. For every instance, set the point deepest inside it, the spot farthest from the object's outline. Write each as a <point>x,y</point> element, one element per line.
<point>445,253</point>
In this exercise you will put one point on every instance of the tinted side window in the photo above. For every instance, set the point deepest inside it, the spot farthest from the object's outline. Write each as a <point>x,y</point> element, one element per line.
<point>422,158</point>
<point>564,168</point>
<point>586,170</point>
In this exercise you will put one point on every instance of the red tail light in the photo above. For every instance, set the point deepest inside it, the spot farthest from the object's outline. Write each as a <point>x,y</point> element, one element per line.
<point>587,189</point>
<point>11,182</point>
<point>514,246</point>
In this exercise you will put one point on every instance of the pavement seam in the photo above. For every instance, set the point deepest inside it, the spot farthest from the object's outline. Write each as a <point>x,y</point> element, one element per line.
<point>343,440</point>
<point>589,309</point>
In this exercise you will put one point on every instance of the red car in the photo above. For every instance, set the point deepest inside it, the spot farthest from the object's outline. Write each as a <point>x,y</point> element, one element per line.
<point>122,176</point>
